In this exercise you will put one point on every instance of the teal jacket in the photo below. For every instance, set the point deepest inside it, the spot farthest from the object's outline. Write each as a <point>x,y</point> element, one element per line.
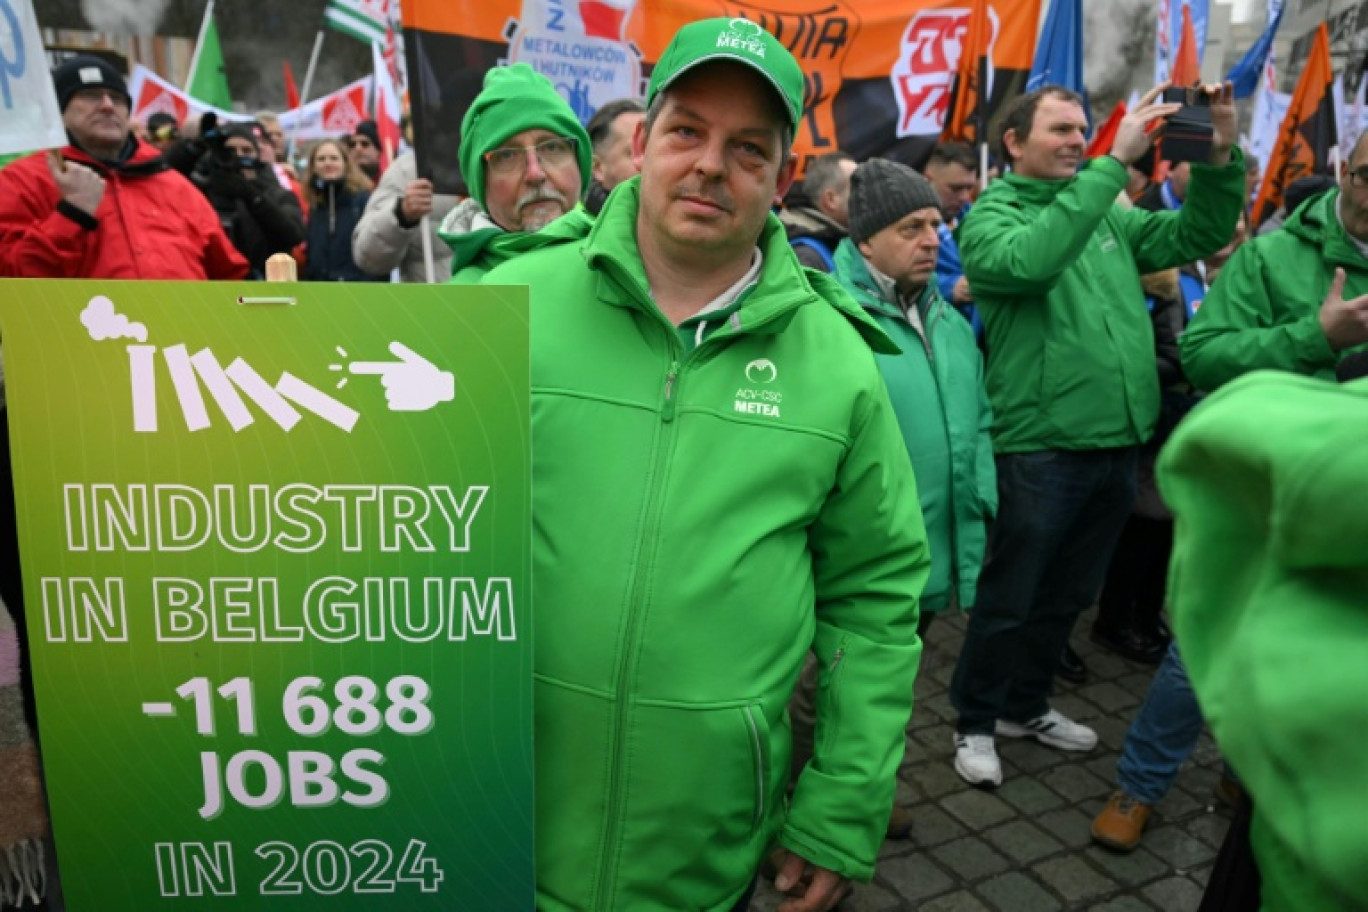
<point>1264,309</point>
<point>474,253</point>
<point>1055,269</point>
<point>1267,591</point>
<point>702,518</point>
<point>936,386</point>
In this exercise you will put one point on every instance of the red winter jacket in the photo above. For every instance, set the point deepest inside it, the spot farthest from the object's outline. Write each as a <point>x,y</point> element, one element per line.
<point>151,224</point>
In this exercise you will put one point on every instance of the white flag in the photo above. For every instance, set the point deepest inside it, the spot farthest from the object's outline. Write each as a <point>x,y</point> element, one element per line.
<point>29,116</point>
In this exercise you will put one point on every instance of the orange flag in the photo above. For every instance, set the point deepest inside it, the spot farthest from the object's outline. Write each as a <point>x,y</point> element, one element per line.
<point>1307,133</point>
<point>963,120</point>
<point>1106,134</point>
<point>1187,64</point>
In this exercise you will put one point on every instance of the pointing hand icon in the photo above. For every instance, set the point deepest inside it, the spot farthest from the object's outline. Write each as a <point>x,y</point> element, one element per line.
<point>413,383</point>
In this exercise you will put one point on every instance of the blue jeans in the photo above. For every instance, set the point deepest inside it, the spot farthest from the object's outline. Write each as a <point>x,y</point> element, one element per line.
<point>1163,734</point>
<point>1060,513</point>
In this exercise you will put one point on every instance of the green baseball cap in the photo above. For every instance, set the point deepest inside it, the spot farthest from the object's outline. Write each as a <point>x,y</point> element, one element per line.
<point>739,40</point>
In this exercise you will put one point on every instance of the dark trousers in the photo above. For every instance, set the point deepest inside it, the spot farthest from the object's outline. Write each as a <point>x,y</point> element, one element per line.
<point>1133,595</point>
<point>744,904</point>
<point>1059,515</point>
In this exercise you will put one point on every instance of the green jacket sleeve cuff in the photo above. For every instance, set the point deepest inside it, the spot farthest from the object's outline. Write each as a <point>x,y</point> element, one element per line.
<point>1312,348</point>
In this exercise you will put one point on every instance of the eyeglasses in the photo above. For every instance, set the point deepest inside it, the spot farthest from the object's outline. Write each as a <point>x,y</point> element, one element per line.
<point>551,153</point>
<point>1359,177</point>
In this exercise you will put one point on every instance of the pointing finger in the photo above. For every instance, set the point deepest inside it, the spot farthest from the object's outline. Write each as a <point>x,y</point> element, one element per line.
<point>370,367</point>
<point>406,354</point>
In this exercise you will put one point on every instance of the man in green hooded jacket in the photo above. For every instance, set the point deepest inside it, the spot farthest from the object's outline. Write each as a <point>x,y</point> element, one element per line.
<point>936,383</point>
<point>527,160</point>
<point>1295,299</point>
<point>721,487</point>
<point>1055,266</point>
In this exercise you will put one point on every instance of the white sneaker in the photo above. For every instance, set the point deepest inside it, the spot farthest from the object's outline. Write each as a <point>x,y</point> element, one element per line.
<point>976,760</point>
<point>1053,730</point>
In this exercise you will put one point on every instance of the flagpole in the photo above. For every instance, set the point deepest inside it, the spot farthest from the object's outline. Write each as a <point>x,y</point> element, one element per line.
<point>304,92</point>
<point>199,44</point>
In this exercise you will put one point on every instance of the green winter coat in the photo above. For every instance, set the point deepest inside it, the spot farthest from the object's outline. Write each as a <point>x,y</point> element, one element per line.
<point>701,519</point>
<point>1267,593</point>
<point>936,386</point>
<point>1055,269</point>
<point>476,252</point>
<point>1264,309</point>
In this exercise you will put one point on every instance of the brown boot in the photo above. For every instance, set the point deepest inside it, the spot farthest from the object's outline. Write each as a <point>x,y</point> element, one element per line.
<point>899,823</point>
<point>1121,822</point>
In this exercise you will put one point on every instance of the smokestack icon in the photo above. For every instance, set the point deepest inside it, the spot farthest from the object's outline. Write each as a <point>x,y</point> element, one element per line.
<point>606,18</point>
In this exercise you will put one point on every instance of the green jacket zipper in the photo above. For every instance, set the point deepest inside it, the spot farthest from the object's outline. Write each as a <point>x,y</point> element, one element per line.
<point>664,447</point>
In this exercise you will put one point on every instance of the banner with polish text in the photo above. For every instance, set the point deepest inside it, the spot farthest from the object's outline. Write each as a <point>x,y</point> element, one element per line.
<point>276,549</point>
<point>878,71</point>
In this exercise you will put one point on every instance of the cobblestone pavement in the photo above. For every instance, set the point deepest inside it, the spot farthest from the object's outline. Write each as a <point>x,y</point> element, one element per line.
<point>1024,847</point>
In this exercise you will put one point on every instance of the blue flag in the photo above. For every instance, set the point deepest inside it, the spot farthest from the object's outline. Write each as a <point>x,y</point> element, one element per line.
<point>1245,75</point>
<point>1059,55</point>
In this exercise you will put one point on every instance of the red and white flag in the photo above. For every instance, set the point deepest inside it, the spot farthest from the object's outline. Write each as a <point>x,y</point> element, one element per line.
<point>332,115</point>
<point>387,109</point>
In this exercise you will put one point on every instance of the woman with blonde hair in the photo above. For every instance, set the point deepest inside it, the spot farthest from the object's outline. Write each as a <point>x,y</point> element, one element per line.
<point>338,192</point>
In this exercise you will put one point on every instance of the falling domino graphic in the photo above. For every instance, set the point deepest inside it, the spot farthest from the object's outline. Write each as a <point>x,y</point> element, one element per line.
<point>317,401</point>
<point>221,388</point>
<point>187,387</point>
<point>142,366</point>
<point>263,394</point>
<point>223,384</point>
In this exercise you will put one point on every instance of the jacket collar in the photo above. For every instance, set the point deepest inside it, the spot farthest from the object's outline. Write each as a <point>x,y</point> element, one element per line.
<point>874,295</point>
<point>1317,222</point>
<point>783,286</point>
<point>470,244</point>
<point>142,161</point>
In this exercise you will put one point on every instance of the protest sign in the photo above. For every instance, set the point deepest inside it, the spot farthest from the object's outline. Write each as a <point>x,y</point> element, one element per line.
<point>276,565</point>
<point>29,116</point>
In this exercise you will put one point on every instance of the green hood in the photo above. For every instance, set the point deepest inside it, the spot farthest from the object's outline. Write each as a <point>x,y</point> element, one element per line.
<point>1316,222</point>
<point>1266,589</point>
<point>516,98</point>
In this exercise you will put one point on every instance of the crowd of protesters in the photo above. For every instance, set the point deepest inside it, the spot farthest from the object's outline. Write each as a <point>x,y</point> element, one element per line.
<point>977,382</point>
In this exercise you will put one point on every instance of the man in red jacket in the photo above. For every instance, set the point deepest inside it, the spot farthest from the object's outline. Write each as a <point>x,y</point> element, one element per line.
<point>106,206</point>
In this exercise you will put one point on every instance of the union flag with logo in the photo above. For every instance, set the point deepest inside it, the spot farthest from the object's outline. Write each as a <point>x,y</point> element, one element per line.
<point>878,72</point>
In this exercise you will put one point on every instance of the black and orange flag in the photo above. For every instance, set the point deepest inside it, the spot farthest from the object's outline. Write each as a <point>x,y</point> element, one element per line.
<point>1307,133</point>
<point>968,101</point>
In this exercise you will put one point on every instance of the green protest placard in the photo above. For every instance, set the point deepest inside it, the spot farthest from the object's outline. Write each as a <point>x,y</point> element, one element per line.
<point>276,554</point>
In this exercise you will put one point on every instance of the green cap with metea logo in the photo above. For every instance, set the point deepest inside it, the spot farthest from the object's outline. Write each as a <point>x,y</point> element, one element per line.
<point>739,40</point>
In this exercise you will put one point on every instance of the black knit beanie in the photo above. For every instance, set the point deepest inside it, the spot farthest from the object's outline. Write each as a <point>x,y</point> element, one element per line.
<point>882,192</point>
<point>85,72</point>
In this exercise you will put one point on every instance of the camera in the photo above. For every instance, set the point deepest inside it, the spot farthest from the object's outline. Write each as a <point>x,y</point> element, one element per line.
<point>1188,132</point>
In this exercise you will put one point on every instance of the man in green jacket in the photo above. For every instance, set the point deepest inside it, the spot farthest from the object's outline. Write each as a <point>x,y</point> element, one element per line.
<point>1055,266</point>
<point>936,382</point>
<point>1293,300</point>
<point>527,161</point>
<point>721,486</point>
